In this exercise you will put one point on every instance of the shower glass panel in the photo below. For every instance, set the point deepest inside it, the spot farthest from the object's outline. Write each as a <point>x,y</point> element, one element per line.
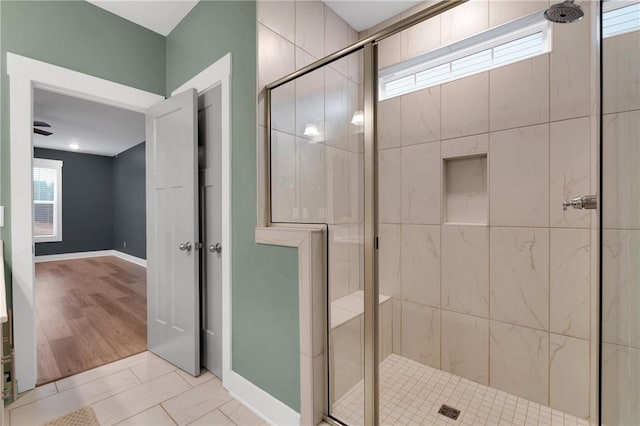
<point>316,146</point>
<point>484,129</point>
<point>487,286</point>
<point>317,176</point>
<point>620,237</point>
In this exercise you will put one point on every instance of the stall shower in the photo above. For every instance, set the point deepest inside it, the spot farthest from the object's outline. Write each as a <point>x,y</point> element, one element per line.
<point>505,203</point>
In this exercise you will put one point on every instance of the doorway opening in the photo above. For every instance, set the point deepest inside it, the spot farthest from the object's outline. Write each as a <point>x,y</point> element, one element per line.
<point>89,231</point>
<point>26,77</point>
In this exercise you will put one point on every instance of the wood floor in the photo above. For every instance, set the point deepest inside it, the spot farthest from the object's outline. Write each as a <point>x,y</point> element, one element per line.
<point>89,312</point>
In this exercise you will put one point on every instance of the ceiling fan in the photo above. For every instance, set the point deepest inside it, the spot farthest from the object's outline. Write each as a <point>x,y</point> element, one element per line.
<point>37,124</point>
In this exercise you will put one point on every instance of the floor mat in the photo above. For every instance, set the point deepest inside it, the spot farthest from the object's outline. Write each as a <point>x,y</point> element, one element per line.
<point>82,417</point>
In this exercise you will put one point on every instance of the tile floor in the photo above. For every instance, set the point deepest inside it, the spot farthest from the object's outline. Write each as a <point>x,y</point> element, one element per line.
<point>144,390</point>
<point>141,390</point>
<point>412,393</point>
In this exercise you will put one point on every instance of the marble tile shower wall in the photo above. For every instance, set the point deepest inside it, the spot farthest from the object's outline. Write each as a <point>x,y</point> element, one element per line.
<point>506,300</point>
<point>315,178</point>
<point>621,230</point>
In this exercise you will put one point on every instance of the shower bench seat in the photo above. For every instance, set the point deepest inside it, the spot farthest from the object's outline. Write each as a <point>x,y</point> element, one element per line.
<point>350,306</point>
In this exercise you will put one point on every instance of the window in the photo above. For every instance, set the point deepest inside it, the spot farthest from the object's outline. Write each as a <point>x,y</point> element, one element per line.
<point>620,17</point>
<point>521,39</point>
<point>47,200</point>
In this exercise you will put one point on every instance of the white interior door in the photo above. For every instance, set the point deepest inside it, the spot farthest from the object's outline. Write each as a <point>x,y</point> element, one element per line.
<point>173,296</point>
<point>210,138</point>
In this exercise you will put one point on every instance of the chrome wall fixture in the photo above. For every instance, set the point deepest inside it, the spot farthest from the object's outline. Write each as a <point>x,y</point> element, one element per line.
<point>564,13</point>
<point>369,47</point>
<point>589,202</point>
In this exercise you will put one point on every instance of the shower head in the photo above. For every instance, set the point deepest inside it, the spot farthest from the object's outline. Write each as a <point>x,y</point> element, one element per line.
<point>564,13</point>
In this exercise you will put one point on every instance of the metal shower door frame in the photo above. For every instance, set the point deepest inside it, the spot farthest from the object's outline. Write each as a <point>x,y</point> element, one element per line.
<point>369,46</point>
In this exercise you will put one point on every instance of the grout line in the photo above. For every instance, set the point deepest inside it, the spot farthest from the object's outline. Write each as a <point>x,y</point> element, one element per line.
<point>495,130</point>
<point>136,376</point>
<point>489,221</point>
<point>169,414</point>
<point>147,409</point>
<point>103,376</point>
<point>164,400</point>
<point>481,225</point>
<point>75,388</point>
<point>225,414</point>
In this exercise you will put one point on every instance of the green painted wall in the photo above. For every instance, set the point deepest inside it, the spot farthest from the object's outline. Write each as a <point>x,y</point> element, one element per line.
<point>265,279</point>
<point>78,36</point>
<point>82,37</point>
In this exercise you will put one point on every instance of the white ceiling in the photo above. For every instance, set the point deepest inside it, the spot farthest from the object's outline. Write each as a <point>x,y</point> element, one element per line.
<point>160,16</point>
<point>364,14</point>
<point>98,129</point>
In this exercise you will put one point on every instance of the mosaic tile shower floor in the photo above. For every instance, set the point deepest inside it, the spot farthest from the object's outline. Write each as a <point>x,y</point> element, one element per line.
<point>412,393</point>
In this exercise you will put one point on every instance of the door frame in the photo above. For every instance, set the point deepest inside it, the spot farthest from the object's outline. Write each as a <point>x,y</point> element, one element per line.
<point>219,74</point>
<point>25,74</point>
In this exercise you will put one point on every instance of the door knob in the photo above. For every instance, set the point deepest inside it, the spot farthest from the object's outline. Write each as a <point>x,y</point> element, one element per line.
<point>185,246</point>
<point>215,248</point>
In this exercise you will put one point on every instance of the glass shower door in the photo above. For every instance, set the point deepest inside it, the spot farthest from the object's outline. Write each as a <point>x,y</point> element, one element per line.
<point>317,176</point>
<point>620,237</point>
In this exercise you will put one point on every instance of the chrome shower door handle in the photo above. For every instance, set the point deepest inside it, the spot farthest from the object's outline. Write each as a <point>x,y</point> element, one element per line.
<point>185,246</point>
<point>215,248</point>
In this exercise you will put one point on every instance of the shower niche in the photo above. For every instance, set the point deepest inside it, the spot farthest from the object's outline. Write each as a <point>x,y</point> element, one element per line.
<point>466,201</point>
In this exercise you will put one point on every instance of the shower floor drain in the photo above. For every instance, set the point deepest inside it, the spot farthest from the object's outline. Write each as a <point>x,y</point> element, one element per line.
<point>450,412</point>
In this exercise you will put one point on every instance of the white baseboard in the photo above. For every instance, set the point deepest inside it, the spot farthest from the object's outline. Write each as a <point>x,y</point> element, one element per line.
<point>129,258</point>
<point>260,402</point>
<point>69,256</point>
<point>88,254</point>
